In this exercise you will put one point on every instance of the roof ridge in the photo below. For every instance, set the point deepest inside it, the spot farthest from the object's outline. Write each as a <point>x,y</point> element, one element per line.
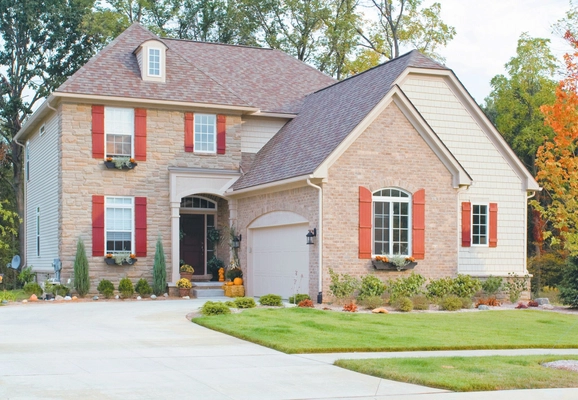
<point>246,46</point>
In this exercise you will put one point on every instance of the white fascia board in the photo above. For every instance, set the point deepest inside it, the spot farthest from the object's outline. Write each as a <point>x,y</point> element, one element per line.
<point>480,118</point>
<point>459,175</point>
<point>270,187</point>
<point>273,115</point>
<point>41,112</point>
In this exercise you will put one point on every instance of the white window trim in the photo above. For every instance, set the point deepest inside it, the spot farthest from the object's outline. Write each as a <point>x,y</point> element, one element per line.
<point>148,68</point>
<point>42,130</point>
<point>487,244</point>
<point>409,216</point>
<point>132,240</point>
<point>202,210</point>
<point>132,135</point>
<point>37,231</point>
<point>195,147</point>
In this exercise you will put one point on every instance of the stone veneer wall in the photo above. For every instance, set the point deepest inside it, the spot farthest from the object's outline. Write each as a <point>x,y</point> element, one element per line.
<point>390,153</point>
<point>303,201</point>
<point>82,176</point>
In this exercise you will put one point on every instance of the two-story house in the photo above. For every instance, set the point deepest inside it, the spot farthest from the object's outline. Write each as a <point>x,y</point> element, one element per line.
<point>398,160</point>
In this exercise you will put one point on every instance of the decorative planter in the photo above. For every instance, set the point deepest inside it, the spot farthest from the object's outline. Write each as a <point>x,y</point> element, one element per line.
<point>112,165</point>
<point>184,292</point>
<point>188,275</point>
<point>110,261</point>
<point>387,266</point>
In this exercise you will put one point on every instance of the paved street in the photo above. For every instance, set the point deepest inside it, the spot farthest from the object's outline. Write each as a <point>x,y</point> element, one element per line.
<point>148,350</point>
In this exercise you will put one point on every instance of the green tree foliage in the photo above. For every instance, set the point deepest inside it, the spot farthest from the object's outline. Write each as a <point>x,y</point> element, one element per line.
<point>159,270</point>
<point>9,222</point>
<point>546,269</point>
<point>81,277</point>
<point>569,286</point>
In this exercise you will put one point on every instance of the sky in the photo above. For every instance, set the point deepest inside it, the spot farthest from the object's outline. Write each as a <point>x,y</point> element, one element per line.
<point>487,34</point>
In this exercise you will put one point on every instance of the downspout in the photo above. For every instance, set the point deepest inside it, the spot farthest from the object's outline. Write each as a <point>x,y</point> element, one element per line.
<point>319,241</point>
<point>23,251</point>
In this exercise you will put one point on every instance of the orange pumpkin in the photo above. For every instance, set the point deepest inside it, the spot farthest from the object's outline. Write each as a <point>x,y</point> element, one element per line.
<point>238,281</point>
<point>230,283</point>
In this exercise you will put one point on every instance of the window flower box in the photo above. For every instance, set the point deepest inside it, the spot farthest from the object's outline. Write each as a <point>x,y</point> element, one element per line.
<point>384,263</point>
<point>120,163</point>
<point>120,259</point>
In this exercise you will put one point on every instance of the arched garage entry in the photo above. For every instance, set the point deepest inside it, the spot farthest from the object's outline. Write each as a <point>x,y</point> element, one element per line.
<point>278,256</point>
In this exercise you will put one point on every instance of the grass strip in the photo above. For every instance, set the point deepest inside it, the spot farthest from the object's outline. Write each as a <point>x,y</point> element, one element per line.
<point>299,330</point>
<point>467,374</point>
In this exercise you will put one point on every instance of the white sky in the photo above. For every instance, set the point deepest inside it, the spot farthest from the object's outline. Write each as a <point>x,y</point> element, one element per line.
<point>487,34</point>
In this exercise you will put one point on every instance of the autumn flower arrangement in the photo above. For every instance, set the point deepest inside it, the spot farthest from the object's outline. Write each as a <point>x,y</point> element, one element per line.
<point>121,162</point>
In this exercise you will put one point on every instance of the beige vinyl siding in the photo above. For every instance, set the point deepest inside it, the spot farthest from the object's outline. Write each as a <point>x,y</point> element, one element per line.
<point>43,192</point>
<point>139,58</point>
<point>494,180</point>
<point>257,131</point>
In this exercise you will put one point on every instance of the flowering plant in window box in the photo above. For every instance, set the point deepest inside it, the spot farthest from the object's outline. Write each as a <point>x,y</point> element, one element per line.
<point>120,259</point>
<point>120,163</point>
<point>393,263</point>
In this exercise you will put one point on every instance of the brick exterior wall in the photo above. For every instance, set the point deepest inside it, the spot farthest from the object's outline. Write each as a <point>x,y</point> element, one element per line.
<point>390,153</point>
<point>302,201</point>
<point>82,176</point>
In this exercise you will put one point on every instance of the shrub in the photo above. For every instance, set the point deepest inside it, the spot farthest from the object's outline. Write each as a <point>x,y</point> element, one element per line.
<point>143,288</point>
<point>403,304</point>
<point>81,278</point>
<point>215,308</point>
<point>516,285</point>
<point>26,275</point>
<point>33,288</point>
<point>230,303</point>
<point>492,285</point>
<point>125,288</point>
<point>245,302</point>
<point>306,303</point>
<point>372,302</point>
<point>350,307</point>
<point>465,286</point>
<point>342,286</point>
<point>405,287</point>
<point>439,288</point>
<point>371,285</point>
<point>533,303</point>
<point>546,270</point>
<point>298,298</point>
<point>7,296</point>
<point>467,302</point>
<point>159,270</point>
<point>451,303</point>
<point>60,290</point>
<point>106,288</point>
<point>569,286</point>
<point>271,300</point>
<point>420,302</point>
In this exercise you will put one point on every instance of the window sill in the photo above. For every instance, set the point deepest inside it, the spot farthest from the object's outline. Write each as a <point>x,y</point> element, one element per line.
<point>387,266</point>
<point>111,261</point>
<point>112,165</point>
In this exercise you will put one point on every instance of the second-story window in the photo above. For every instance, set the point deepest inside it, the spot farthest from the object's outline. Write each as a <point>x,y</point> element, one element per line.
<point>119,130</point>
<point>205,133</point>
<point>154,62</point>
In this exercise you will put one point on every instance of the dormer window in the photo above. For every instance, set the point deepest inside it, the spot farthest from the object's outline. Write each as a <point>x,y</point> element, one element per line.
<point>154,62</point>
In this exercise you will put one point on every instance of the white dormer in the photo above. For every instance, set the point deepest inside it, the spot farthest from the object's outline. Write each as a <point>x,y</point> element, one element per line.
<point>151,57</point>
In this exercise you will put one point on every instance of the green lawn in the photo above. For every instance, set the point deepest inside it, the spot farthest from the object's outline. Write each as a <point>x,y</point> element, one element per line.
<point>465,374</point>
<point>299,330</point>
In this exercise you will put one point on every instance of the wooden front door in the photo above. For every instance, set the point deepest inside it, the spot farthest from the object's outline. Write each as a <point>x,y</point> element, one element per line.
<point>193,241</point>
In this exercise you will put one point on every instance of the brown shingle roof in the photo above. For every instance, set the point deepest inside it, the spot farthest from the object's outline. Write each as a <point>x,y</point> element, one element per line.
<point>200,73</point>
<point>326,118</point>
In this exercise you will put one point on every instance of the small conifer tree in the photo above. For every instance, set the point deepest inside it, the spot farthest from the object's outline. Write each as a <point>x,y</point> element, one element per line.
<point>81,278</point>
<point>159,270</point>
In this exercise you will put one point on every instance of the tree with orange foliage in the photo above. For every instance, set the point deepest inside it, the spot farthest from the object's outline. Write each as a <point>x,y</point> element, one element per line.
<point>557,159</point>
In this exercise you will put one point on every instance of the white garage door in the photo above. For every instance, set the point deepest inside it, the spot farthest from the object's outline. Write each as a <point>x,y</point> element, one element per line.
<point>280,260</point>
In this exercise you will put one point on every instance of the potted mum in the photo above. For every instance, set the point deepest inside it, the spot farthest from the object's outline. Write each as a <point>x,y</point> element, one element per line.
<point>184,286</point>
<point>187,271</point>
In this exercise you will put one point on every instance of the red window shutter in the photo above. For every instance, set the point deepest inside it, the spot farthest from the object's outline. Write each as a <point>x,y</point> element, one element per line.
<point>493,224</point>
<point>418,232</point>
<point>466,224</point>
<point>365,201</point>
<point>221,133</point>
<point>97,131</point>
<point>140,226</point>
<point>97,226</point>
<point>140,134</point>
<point>189,132</point>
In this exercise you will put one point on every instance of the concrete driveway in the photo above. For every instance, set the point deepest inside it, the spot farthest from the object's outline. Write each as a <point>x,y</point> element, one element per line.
<point>148,350</point>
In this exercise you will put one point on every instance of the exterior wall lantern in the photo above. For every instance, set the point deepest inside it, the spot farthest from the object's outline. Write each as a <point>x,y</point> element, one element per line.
<point>237,241</point>
<point>310,235</point>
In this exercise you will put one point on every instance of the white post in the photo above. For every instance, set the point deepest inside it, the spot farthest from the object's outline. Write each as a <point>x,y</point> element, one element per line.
<point>175,240</point>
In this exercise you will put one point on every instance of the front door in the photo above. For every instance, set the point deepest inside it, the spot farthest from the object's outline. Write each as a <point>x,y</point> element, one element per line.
<point>193,241</point>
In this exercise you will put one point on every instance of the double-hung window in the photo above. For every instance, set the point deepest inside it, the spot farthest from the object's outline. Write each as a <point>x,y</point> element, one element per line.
<point>205,133</point>
<point>154,62</point>
<point>119,225</point>
<point>119,130</point>
<point>391,222</point>
<point>479,224</point>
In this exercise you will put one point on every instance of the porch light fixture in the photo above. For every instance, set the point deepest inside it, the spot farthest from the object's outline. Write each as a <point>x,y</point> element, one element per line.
<point>237,241</point>
<point>310,235</point>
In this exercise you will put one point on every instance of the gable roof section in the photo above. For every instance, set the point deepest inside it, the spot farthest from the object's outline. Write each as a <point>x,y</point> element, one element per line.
<point>197,72</point>
<point>327,117</point>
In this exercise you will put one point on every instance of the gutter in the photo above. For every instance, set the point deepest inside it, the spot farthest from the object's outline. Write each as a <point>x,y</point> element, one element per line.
<point>319,241</point>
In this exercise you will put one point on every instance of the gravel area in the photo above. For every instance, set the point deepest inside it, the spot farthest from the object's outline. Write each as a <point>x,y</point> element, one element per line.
<point>568,365</point>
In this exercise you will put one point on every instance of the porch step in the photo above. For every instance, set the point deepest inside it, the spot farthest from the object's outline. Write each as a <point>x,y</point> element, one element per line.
<point>201,293</point>
<point>207,285</point>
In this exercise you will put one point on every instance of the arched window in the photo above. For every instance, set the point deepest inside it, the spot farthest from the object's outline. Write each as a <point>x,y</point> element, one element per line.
<point>392,222</point>
<point>198,203</point>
